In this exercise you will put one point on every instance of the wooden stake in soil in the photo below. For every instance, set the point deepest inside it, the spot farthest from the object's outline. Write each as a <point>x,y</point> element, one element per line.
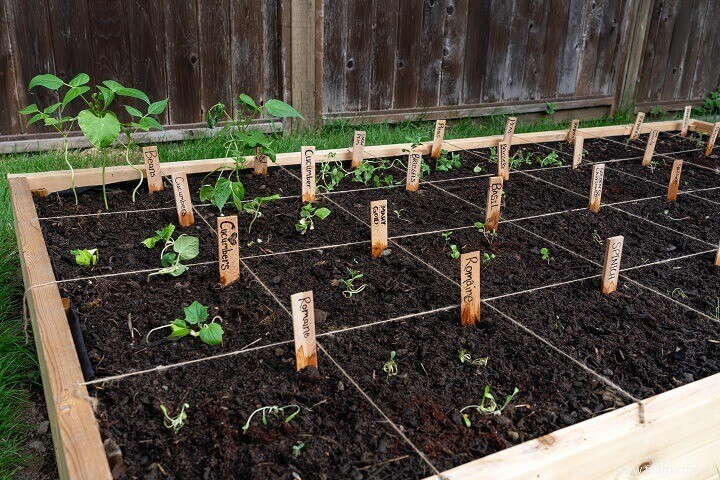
<point>303,311</point>
<point>378,227</point>
<point>504,160</point>
<point>711,140</point>
<point>228,249</point>
<point>611,265</point>
<point>183,202</point>
<point>261,162</point>
<point>358,151</point>
<point>152,169</point>
<point>469,288</point>
<point>494,199</point>
<point>685,121</point>
<point>717,257</point>
<point>578,151</point>
<point>572,131</point>
<point>510,124</point>
<point>674,185</point>
<point>596,186</point>
<point>438,138</point>
<point>650,148</point>
<point>636,126</point>
<point>412,182</point>
<point>307,167</point>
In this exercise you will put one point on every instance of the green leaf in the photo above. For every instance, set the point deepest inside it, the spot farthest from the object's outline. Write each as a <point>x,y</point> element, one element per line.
<point>100,131</point>
<point>322,213</point>
<point>156,108</point>
<point>176,270</point>
<point>112,85</point>
<point>196,313</point>
<point>29,109</point>
<point>166,232</point>
<point>50,121</point>
<point>207,192</point>
<point>46,80</point>
<point>238,193</point>
<point>85,257</point>
<point>79,79</point>
<point>187,247</point>
<point>168,259</point>
<point>280,109</point>
<point>72,94</point>
<point>108,95</point>
<point>179,329</point>
<point>132,92</point>
<point>37,118</point>
<point>51,109</point>
<point>134,112</point>
<point>247,100</point>
<point>223,190</point>
<point>152,123</point>
<point>211,333</point>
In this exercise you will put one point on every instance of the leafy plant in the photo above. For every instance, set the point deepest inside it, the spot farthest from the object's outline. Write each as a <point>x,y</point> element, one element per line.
<point>329,176</point>
<point>390,367</point>
<point>551,160</point>
<point>308,214</point>
<point>185,247</point>
<point>678,293</point>
<point>487,406</point>
<point>711,105</point>
<point>550,107</point>
<point>272,411</point>
<point>466,357</point>
<point>519,158</point>
<point>194,324</point>
<point>487,257</point>
<point>85,257</point>
<point>446,163</point>
<point>297,449</point>
<point>490,235</point>
<point>254,206</point>
<point>415,141</point>
<point>453,252</point>
<point>545,255</point>
<point>178,421</point>
<point>657,111</point>
<point>350,288</point>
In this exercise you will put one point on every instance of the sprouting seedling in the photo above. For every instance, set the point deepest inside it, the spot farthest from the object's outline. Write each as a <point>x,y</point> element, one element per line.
<point>454,252</point>
<point>465,357</point>
<point>487,406</point>
<point>679,293</point>
<point>308,214</point>
<point>551,160</point>
<point>488,257</point>
<point>254,206</point>
<point>274,411</point>
<point>478,169</point>
<point>520,158</point>
<point>446,163</point>
<point>415,141</point>
<point>545,255</point>
<point>184,247</point>
<point>297,449</point>
<point>84,257</point>
<point>194,324</point>
<point>490,235</point>
<point>178,421</point>
<point>349,283</point>
<point>446,236</point>
<point>559,327</point>
<point>390,367</point>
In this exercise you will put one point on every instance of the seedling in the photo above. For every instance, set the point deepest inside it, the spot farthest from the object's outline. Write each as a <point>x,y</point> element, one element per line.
<point>559,327</point>
<point>519,158</point>
<point>194,324</point>
<point>488,257</point>
<point>545,255</point>
<point>273,411</point>
<point>446,163</point>
<point>178,421</point>
<point>86,258</point>
<point>466,357</point>
<point>253,207</point>
<point>415,142</point>
<point>390,367</point>
<point>297,449</point>
<point>350,288</point>
<point>490,235</point>
<point>308,214</point>
<point>679,293</point>
<point>329,176</point>
<point>454,252</point>
<point>488,405</point>
<point>185,247</point>
<point>551,160</point>
<point>478,168</point>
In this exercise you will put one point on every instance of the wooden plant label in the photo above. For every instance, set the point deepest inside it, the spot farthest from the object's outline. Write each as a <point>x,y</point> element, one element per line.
<point>412,181</point>
<point>261,162</point>
<point>438,138</point>
<point>578,151</point>
<point>572,131</point>
<point>611,266</point>
<point>183,202</point>
<point>711,140</point>
<point>303,312</point>
<point>307,164</point>
<point>685,121</point>
<point>358,151</point>
<point>650,148</point>
<point>674,180</point>
<point>636,126</point>
<point>717,257</point>
<point>510,124</point>
<point>469,288</point>
<point>228,249</point>
<point>378,227</point>
<point>494,199</point>
<point>596,187</point>
<point>504,160</point>
<point>152,169</point>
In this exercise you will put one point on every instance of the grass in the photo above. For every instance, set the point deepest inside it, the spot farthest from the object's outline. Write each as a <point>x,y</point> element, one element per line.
<point>18,367</point>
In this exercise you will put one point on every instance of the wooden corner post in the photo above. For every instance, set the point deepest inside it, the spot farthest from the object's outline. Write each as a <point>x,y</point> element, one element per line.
<point>303,312</point>
<point>611,265</point>
<point>470,288</point>
<point>378,227</point>
<point>438,137</point>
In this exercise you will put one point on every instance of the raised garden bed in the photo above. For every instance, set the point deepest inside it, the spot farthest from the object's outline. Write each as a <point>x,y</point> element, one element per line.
<point>608,385</point>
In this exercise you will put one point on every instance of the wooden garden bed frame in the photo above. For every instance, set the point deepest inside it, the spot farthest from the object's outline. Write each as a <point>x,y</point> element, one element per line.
<point>680,437</point>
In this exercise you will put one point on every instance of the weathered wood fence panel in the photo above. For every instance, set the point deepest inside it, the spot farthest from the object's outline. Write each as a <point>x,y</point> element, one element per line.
<point>373,59</point>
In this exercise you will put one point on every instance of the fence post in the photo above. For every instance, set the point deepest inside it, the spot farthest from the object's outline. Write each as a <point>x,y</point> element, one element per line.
<point>306,61</point>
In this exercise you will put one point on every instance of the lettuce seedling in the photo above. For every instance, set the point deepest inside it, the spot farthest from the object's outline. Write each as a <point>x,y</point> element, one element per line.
<point>390,367</point>
<point>488,405</point>
<point>350,288</point>
<point>177,422</point>
<point>545,255</point>
<point>307,215</point>
<point>85,257</point>
<point>185,247</point>
<point>194,324</point>
<point>275,411</point>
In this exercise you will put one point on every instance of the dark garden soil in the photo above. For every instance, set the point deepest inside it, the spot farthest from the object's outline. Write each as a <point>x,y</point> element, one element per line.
<point>635,337</point>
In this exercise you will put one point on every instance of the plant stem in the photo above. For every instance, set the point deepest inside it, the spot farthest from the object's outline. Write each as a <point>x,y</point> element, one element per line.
<point>72,171</point>
<point>103,187</point>
<point>142,177</point>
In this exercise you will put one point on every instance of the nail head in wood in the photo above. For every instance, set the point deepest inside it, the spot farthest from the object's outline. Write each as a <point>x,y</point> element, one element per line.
<point>303,310</point>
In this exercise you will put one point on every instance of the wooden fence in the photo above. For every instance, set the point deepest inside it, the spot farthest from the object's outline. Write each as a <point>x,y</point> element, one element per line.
<point>367,60</point>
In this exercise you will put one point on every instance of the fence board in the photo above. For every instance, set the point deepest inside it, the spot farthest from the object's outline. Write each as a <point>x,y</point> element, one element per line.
<point>383,48</point>
<point>248,66</point>
<point>10,121</point>
<point>333,56</point>
<point>358,18</point>
<point>454,41</point>
<point>476,51</point>
<point>183,65</point>
<point>431,52</point>
<point>215,57</point>
<point>408,46</point>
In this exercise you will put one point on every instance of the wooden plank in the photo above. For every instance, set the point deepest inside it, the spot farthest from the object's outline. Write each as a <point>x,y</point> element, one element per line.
<point>650,147</point>
<point>652,82</point>
<point>705,75</point>
<point>303,309</point>
<point>634,29</point>
<point>555,30</point>
<point>182,62</point>
<point>518,35</point>
<point>494,200</point>
<point>334,30</point>
<point>10,120</point>
<point>438,137</point>
<point>110,42</point>
<point>228,249</point>
<point>303,31</point>
<point>215,54</point>
<point>357,68</point>
<point>676,53</point>
<point>358,148</point>
<point>76,437</point>
<point>695,38</point>
<point>685,121</point>
<point>535,54</point>
<point>153,169</point>
<point>711,140</point>
<point>431,52</point>
<point>596,187</point>
<point>183,200</point>
<point>247,51</point>
<point>588,51</point>
<point>407,54</point>
<point>610,47</point>
<point>611,263</point>
<point>477,42</point>
<point>496,70</point>
<point>674,185</point>
<point>453,54</point>
<point>383,47</point>
<point>571,49</point>
<point>378,227</point>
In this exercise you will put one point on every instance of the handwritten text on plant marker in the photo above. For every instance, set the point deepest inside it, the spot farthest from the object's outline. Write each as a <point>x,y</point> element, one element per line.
<point>438,138</point>
<point>685,121</point>
<point>358,148</point>
<point>510,124</point>
<point>412,181</point>
<point>469,288</point>
<point>378,227</point>
<point>674,185</point>
<point>504,160</point>
<point>635,131</point>
<point>303,311</point>
<point>307,165</point>
<point>578,151</point>
<point>611,266</point>
<point>711,140</point>
<point>152,168</point>
<point>494,199</point>
<point>183,202</point>
<point>596,186</point>
<point>572,131</point>
<point>228,249</point>
<point>650,148</point>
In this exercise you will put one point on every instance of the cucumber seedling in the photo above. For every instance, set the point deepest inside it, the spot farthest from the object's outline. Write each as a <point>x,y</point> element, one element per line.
<point>253,207</point>
<point>465,357</point>
<point>185,247</point>
<point>487,406</point>
<point>194,324</point>
<point>273,411</point>
<point>349,283</point>
<point>490,235</point>
<point>488,257</point>
<point>308,214</point>
<point>84,257</point>
<point>178,421</point>
<point>390,367</point>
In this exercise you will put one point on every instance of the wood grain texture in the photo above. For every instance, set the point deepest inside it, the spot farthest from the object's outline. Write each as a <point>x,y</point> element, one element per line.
<point>215,55</point>
<point>182,62</point>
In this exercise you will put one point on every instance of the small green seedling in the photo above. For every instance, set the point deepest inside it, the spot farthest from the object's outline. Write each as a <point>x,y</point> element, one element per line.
<point>545,255</point>
<point>253,207</point>
<point>454,252</point>
<point>308,214</point>
<point>520,158</point>
<point>488,405</point>
<point>178,421</point>
<point>349,283</point>
<point>85,257</point>
<point>446,163</point>
<point>297,449</point>
<point>466,358</point>
<point>551,160</point>
<point>390,367</point>
<point>185,247</point>
<point>678,293</point>
<point>559,327</point>
<point>194,324</point>
<point>415,142</point>
<point>275,411</point>
<point>478,169</point>
<point>490,235</point>
<point>488,257</point>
